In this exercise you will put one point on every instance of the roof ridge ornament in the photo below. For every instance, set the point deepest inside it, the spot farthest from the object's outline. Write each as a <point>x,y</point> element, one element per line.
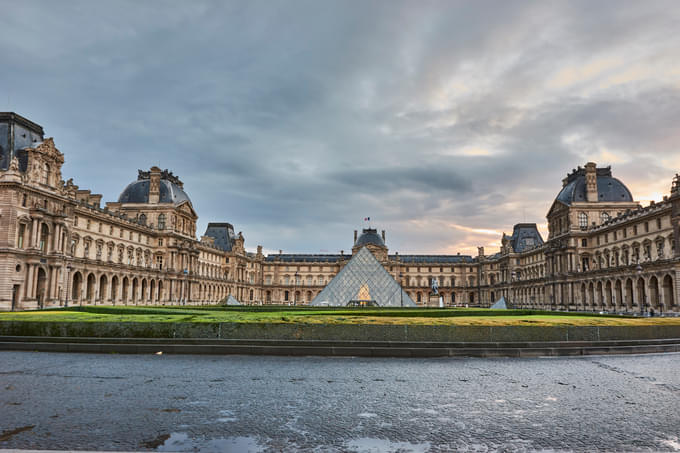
<point>165,174</point>
<point>675,186</point>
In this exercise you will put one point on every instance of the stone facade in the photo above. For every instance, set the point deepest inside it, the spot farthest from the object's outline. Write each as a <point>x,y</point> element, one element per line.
<point>59,246</point>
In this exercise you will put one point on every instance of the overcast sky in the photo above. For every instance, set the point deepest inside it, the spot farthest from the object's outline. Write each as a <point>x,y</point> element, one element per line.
<point>445,122</point>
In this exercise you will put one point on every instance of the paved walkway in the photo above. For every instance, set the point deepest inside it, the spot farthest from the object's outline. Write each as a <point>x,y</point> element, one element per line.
<point>262,403</point>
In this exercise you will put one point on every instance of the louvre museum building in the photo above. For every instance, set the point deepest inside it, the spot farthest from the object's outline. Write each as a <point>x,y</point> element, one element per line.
<point>59,245</point>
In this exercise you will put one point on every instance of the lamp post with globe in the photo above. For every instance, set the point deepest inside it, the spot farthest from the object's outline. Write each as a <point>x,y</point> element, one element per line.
<point>638,270</point>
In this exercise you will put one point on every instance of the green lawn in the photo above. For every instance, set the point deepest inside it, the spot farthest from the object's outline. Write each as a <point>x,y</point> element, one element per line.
<point>308,315</point>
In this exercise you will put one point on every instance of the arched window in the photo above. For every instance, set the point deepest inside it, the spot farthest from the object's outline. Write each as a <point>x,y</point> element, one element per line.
<point>161,222</point>
<point>583,220</point>
<point>46,176</point>
<point>604,217</point>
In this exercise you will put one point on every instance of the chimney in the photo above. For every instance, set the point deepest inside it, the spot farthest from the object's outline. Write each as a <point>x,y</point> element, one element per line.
<point>480,251</point>
<point>591,182</point>
<point>355,236</point>
<point>155,185</point>
<point>383,235</point>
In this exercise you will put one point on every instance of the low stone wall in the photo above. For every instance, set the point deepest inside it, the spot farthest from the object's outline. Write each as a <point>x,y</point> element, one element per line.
<point>268,331</point>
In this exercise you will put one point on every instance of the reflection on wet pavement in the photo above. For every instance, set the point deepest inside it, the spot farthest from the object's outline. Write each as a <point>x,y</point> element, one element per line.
<point>317,404</point>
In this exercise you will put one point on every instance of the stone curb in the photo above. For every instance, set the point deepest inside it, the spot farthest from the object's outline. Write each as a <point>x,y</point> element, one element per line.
<point>311,348</point>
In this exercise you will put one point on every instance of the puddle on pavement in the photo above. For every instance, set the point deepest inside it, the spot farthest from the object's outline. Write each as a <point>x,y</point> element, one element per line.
<point>236,444</point>
<point>374,445</point>
<point>7,435</point>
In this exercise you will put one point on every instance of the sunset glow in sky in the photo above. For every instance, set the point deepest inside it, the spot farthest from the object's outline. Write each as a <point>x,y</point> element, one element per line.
<point>445,122</point>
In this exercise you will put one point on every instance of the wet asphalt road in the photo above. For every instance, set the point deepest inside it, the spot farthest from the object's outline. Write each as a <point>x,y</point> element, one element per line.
<point>242,403</point>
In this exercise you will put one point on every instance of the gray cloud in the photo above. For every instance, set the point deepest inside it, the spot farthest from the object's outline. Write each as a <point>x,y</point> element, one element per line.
<point>295,120</point>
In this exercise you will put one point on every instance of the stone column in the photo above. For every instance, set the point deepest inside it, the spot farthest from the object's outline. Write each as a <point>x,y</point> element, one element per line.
<point>28,286</point>
<point>34,233</point>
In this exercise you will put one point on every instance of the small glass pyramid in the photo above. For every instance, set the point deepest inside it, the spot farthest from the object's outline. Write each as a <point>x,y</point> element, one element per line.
<point>363,281</point>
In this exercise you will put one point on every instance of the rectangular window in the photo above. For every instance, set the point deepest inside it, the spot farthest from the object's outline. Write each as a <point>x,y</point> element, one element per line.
<point>658,224</point>
<point>646,227</point>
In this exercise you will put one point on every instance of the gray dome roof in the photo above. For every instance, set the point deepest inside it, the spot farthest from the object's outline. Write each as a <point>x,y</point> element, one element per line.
<point>370,236</point>
<point>138,192</point>
<point>608,188</point>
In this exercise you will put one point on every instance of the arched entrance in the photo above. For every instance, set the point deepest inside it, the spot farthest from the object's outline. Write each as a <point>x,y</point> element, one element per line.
<point>103,288</point>
<point>618,295</point>
<point>654,292</point>
<point>126,290</point>
<point>582,302</point>
<point>152,288</point>
<point>629,294</point>
<point>91,283</point>
<point>668,296</point>
<point>608,295</point>
<point>599,300</point>
<point>135,289</point>
<point>114,289</point>
<point>76,286</point>
<point>160,290</point>
<point>42,286</point>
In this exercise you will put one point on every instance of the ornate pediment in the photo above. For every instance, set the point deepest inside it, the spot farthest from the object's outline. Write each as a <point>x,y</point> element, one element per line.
<point>47,148</point>
<point>186,208</point>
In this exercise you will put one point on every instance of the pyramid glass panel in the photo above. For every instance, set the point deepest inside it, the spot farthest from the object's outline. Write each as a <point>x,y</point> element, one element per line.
<point>363,281</point>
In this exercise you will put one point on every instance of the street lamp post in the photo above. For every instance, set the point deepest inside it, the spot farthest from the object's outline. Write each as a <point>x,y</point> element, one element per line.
<point>638,270</point>
<point>401,289</point>
<point>68,283</point>
<point>295,290</point>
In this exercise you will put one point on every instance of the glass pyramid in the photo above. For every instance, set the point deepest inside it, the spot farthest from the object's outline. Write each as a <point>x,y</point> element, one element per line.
<point>231,300</point>
<point>363,281</point>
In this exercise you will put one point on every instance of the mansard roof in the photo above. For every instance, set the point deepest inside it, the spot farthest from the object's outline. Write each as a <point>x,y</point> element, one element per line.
<point>309,258</point>
<point>222,233</point>
<point>609,189</point>
<point>369,236</point>
<point>434,259</point>
<point>525,236</point>
<point>171,189</point>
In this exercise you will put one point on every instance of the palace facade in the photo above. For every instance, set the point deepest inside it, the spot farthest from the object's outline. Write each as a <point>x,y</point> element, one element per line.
<point>59,246</point>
